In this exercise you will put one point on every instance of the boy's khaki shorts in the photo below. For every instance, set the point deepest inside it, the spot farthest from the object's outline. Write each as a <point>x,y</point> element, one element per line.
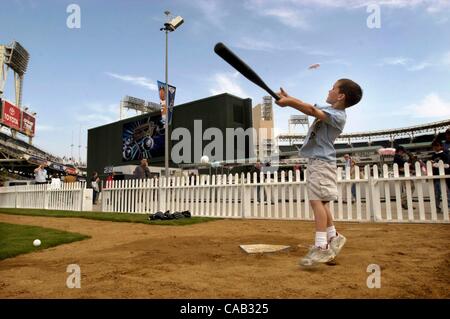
<point>321,180</point>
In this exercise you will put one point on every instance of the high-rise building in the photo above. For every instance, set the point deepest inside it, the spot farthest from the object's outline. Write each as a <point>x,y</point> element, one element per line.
<point>264,141</point>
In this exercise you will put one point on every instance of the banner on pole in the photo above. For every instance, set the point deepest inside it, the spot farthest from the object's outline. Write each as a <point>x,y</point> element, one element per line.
<point>162,98</point>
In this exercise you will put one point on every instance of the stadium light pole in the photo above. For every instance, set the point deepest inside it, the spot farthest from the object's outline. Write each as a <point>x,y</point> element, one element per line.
<point>169,26</point>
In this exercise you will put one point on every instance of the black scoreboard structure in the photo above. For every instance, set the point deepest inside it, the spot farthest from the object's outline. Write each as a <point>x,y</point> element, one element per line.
<point>128,141</point>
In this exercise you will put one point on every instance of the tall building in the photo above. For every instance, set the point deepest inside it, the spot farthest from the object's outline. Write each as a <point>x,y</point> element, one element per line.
<point>264,141</point>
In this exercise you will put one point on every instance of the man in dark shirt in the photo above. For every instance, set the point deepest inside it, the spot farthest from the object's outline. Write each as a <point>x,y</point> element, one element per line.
<point>142,171</point>
<point>257,169</point>
<point>447,141</point>
<point>400,158</point>
<point>440,155</point>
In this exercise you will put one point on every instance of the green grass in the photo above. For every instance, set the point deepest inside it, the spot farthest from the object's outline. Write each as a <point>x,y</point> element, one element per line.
<point>18,239</point>
<point>112,217</point>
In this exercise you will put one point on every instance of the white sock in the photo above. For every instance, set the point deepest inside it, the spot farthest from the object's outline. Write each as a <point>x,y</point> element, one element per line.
<point>321,239</point>
<point>331,232</point>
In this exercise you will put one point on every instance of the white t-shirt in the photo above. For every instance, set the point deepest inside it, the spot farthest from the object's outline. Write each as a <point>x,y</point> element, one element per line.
<point>41,176</point>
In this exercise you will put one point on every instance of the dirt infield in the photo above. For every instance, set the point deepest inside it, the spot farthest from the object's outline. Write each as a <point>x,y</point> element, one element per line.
<point>124,260</point>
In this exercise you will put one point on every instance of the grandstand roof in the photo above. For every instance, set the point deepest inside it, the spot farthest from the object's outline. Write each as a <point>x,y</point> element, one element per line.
<point>434,127</point>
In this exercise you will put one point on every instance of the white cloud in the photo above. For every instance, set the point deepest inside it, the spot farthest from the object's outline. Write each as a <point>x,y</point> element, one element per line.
<point>431,6</point>
<point>438,6</point>
<point>272,46</point>
<point>431,106</point>
<point>135,80</point>
<point>289,17</point>
<point>446,59</point>
<point>413,65</point>
<point>214,12</point>
<point>227,83</point>
<point>97,113</point>
<point>419,66</point>
<point>46,128</point>
<point>395,61</point>
<point>97,118</point>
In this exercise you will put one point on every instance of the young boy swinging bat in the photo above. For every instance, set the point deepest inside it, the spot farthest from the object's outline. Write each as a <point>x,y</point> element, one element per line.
<point>319,149</point>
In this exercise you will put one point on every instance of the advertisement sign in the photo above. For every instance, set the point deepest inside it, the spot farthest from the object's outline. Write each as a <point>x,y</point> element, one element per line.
<point>162,98</point>
<point>28,124</point>
<point>70,170</point>
<point>11,115</point>
<point>143,139</point>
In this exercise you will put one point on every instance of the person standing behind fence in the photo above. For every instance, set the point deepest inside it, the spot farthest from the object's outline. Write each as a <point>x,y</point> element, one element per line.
<point>353,167</point>
<point>347,160</point>
<point>69,178</point>
<point>40,174</point>
<point>350,165</point>
<point>95,184</point>
<point>257,169</point>
<point>400,158</point>
<point>440,155</point>
<point>447,141</point>
<point>142,171</point>
<point>109,180</point>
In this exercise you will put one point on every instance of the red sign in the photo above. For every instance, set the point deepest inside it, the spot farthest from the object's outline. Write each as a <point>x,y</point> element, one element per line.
<point>28,124</point>
<point>11,115</point>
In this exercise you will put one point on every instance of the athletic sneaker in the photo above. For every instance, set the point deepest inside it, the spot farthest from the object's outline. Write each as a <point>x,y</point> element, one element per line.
<point>317,255</point>
<point>337,242</point>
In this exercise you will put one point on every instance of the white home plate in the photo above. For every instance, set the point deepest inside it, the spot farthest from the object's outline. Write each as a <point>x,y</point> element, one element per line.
<point>262,248</point>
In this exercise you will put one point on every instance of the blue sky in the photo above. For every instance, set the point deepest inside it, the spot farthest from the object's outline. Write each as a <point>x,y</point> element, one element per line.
<point>76,77</point>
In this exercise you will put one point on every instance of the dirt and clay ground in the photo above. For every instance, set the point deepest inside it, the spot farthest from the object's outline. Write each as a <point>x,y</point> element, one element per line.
<point>124,260</point>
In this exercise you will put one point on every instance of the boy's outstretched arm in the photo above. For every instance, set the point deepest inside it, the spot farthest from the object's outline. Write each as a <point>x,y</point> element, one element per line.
<point>306,108</point>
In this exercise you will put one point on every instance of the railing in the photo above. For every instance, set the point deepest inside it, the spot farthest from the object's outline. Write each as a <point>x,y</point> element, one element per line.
<point>380,195</point>
<point>64,196</point>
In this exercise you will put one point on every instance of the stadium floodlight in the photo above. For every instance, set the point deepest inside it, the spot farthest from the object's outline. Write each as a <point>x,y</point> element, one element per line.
<point>169,26</point>
<point>16,57</point>
<point>134,103</point>
<point>173,24</point>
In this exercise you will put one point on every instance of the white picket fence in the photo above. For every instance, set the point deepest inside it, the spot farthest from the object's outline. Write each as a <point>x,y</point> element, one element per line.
<point>66,196</point>
<point>378,196</point>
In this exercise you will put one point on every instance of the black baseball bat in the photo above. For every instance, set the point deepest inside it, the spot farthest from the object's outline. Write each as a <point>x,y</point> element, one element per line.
<point>226,54</point>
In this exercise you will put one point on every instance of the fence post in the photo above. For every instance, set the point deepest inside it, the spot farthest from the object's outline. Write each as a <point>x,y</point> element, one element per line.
<point>15,197</point>
<point>244,195</point>
<point>46,193</point>
<point>82,187</point>
<point>162,194</point>
<point>409,193</point>
<point>376,200</point>
<point>442,181</point>
<point>368,191</point>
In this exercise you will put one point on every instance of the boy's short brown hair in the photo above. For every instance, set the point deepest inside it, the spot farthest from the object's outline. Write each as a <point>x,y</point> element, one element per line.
<point>352,90</point>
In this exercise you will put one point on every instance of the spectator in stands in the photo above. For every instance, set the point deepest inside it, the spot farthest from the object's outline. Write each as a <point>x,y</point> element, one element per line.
<point>400,158</point>
<point>446,144</point>
<point>440,155</point>
<point>142,171</point>
<point>347,160</point>
<point>298,167</point>
<point>95,184</point>
<point>40,174</point>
